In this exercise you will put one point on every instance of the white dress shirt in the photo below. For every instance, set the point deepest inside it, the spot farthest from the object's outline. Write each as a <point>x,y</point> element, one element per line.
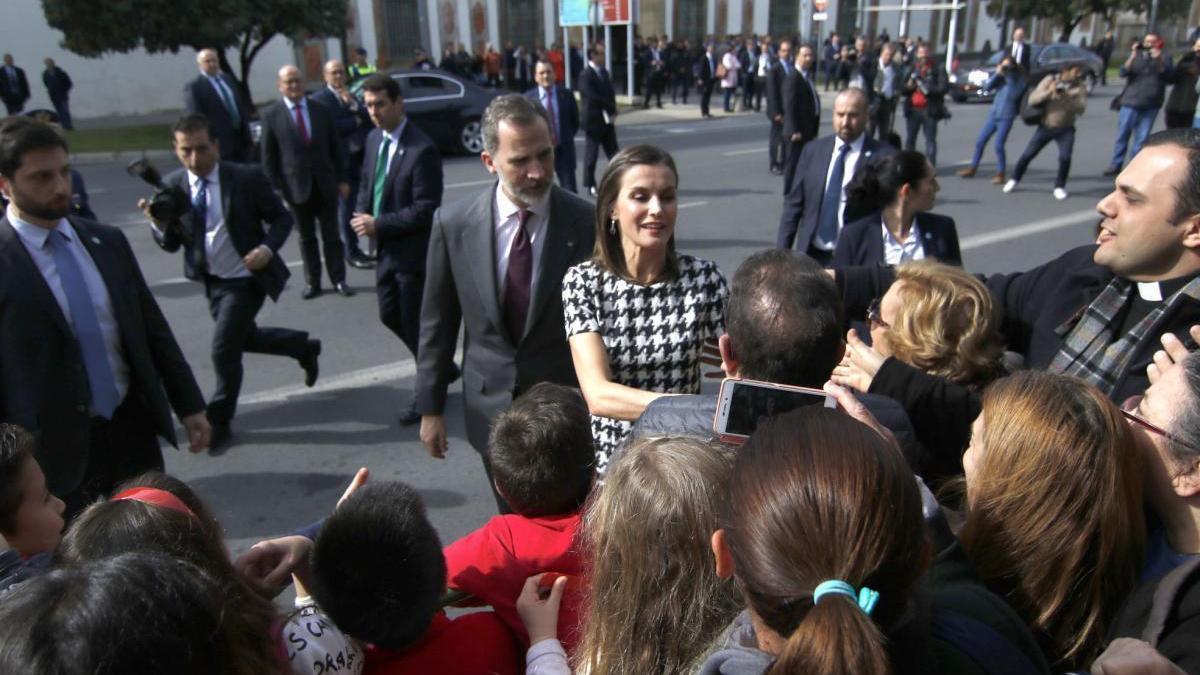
<point>394,149</point>
<point>291,106</point>
<point>223,259</point>
<point>34,239</point>
<point>506,230</point>
<point>896,252</point>
<point>852,156</point>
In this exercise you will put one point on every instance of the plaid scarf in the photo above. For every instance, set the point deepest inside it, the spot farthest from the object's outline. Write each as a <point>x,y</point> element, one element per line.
<point>1089,351</point>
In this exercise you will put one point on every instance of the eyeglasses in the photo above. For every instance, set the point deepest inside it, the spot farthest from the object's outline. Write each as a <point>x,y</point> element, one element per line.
<point>1129,410</point>
<point>875,316</point>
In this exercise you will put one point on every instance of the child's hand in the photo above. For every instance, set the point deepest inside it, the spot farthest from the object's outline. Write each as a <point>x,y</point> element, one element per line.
<point>538,607</point>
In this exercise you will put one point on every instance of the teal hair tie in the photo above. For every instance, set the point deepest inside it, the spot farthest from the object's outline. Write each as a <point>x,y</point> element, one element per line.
<point>866,597</point>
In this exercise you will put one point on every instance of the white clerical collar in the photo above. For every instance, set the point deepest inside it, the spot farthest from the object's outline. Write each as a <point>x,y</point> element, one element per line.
<point>1150,291</point>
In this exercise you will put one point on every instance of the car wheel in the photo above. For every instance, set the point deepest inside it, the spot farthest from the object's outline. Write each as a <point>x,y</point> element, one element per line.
<point>1089,82</point>
<point>470,137</point>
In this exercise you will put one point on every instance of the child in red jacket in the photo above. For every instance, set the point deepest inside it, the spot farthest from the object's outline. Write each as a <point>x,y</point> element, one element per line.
<point>543,463</point>
<point>379,574</point>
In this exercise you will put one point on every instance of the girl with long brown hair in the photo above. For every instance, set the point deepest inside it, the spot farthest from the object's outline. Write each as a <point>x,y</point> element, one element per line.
<point>1054,520</point>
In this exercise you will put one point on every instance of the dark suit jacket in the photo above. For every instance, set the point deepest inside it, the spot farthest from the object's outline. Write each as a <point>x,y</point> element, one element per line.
<point>775,76</point>
<point>460,287</point>
<point>568,111</point>
<point>58,83</point>
<point>800,112</point>
<point>412,192</point>
<point>704,73</point>
<point>803,204</point>
<point>597,95</point>
<point>247,202</point>
<point>352,127</point>
<point>1026,55</point>
<point>17,95</point>
<point>199,96</point>
<point>300,168</point>
<point>43,384</point>
<point>861,242</point>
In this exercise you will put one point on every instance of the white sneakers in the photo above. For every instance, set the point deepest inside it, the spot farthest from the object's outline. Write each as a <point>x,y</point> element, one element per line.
<point>1010,186</point>
<point>1060,194</point>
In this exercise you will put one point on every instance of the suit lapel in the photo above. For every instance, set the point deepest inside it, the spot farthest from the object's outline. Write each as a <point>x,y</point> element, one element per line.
<point>226,182</point>
<point>14,256</point>
<point>397,160</point>
<point>108,266</point>
<point>875,240</point>
<point>480,242</point>
<point>557,253</point>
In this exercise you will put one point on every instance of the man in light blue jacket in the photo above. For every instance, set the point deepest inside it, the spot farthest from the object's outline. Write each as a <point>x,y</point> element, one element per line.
<point>1009,83</point>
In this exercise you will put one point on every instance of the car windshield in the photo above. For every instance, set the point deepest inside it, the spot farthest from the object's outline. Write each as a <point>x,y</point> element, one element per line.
<point>994,60</point>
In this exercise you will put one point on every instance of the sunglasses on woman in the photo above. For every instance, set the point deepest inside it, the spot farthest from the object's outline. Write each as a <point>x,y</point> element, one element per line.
<point>875,316</point>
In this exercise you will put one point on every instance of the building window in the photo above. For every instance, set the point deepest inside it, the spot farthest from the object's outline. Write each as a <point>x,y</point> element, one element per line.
<point>398,39</point>
<point>522,23</point>
<point>784,20</point>
<point>690,20</point>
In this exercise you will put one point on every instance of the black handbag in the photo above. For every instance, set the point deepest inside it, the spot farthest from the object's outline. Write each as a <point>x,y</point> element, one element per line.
<point>1031,114</point>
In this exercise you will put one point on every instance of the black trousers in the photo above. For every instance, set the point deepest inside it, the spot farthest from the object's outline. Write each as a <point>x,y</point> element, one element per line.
<point>706,91</point>
<point>1064,137</point>
<point>680,88</point>
<point>748,92</point>
<point>882,118</point>
<point>564,164</point>
<point>119,449</point>
<point>775,145</point>
<point>234,304</point>
<point>316,210</point>
<point>789,163</point>
<point>606,139</point>
<point>399,296</point>
<point>919,120</point>
<point>345,210</point>
<point>1179,119</point>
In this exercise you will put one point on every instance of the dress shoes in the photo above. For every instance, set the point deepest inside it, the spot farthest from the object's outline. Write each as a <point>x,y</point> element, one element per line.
<point>360,262</point>
<point>410,416</point>
<point>310,291</point>
<point>998,179</point>
<point>309,362</point>
<point>220,440</point>
<point>343,289</point>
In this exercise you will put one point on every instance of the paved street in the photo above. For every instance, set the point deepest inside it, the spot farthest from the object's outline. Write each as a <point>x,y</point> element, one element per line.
<point>296,448</point>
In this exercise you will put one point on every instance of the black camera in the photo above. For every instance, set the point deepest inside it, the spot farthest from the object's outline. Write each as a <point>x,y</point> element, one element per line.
<point>169,202</point>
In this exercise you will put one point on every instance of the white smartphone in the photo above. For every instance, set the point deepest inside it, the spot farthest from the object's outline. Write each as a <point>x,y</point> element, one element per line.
<point>743,404</point>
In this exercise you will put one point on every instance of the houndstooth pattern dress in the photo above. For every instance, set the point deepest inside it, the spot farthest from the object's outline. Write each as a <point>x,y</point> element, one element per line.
<point>653,334</point>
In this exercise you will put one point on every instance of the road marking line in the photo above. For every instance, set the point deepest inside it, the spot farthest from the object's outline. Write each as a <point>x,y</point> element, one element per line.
<point>747,151</point>
<point>1036,227</point>
<point>470,183</point>
<point>351,380</point>
<point>689,205</point>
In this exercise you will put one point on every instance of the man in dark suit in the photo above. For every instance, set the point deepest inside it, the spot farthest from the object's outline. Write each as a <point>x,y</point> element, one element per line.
<point>352,123</point>
<point>777,72</point>
<point>401,188</point>
<point>598,114</point>
<point>303,157</point>
<point>90,364</point>
<point>656,73</point>
<point>228,249</point>
<point>816,207</point>
<point>58,86</point>
<point>14,87</point>
<point>801,112</point>
<point>496,264</point>
<point>706,78</point>
<point>216,96</point>
<point>1021,52</point>
<point>563,114</point>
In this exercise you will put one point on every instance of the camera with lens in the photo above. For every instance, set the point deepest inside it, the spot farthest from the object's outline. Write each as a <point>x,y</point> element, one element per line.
<point>169,203</point>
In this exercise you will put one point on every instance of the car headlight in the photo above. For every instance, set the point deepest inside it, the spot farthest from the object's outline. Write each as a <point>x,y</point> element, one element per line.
<point>954,78</point>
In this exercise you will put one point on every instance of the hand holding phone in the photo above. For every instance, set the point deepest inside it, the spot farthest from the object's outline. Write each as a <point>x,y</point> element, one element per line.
<point>744,404</point>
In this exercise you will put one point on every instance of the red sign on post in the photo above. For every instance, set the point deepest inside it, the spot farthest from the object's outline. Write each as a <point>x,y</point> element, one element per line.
<point>615,11</point>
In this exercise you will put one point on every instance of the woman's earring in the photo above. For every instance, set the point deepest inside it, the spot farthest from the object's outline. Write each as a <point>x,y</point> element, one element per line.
<point>612,225</point>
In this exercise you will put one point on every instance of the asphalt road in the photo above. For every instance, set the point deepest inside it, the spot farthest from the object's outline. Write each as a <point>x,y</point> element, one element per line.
<point>296,448</point>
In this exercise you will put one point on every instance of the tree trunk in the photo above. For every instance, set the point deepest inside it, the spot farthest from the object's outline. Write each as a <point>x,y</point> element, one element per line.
<point>1068,28</point>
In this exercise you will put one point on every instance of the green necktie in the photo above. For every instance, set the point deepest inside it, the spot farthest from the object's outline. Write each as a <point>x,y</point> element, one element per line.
<point>381,170</point>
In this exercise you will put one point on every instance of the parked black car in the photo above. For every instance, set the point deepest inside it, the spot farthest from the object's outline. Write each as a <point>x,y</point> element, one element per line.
<point>445,106</point>
<point>966,84</point>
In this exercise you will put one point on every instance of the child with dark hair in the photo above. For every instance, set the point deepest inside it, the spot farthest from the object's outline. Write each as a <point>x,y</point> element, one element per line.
<point>31,519</point>
<point>542,464</point>
<point>379,574</point>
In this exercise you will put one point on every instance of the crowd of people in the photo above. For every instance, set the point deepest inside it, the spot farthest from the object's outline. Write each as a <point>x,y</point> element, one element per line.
<point>1004,476</point>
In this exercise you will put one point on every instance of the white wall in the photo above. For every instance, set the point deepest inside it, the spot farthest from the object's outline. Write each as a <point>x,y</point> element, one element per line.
<point>117,84</point>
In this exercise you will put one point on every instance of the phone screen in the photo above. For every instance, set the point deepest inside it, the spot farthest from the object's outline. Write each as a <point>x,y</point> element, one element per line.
<point>750,404</point>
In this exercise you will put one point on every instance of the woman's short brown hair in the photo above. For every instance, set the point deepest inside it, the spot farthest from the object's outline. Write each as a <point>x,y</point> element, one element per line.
<point>609,253</point>
<point>947,325</point>
<point>1054,517</point>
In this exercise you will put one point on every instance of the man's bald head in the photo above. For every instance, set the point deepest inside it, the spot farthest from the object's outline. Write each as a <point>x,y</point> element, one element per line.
<point>850,114</point>
<point>335,74</point>
<point>291,84</point>
<point>209,63</point>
